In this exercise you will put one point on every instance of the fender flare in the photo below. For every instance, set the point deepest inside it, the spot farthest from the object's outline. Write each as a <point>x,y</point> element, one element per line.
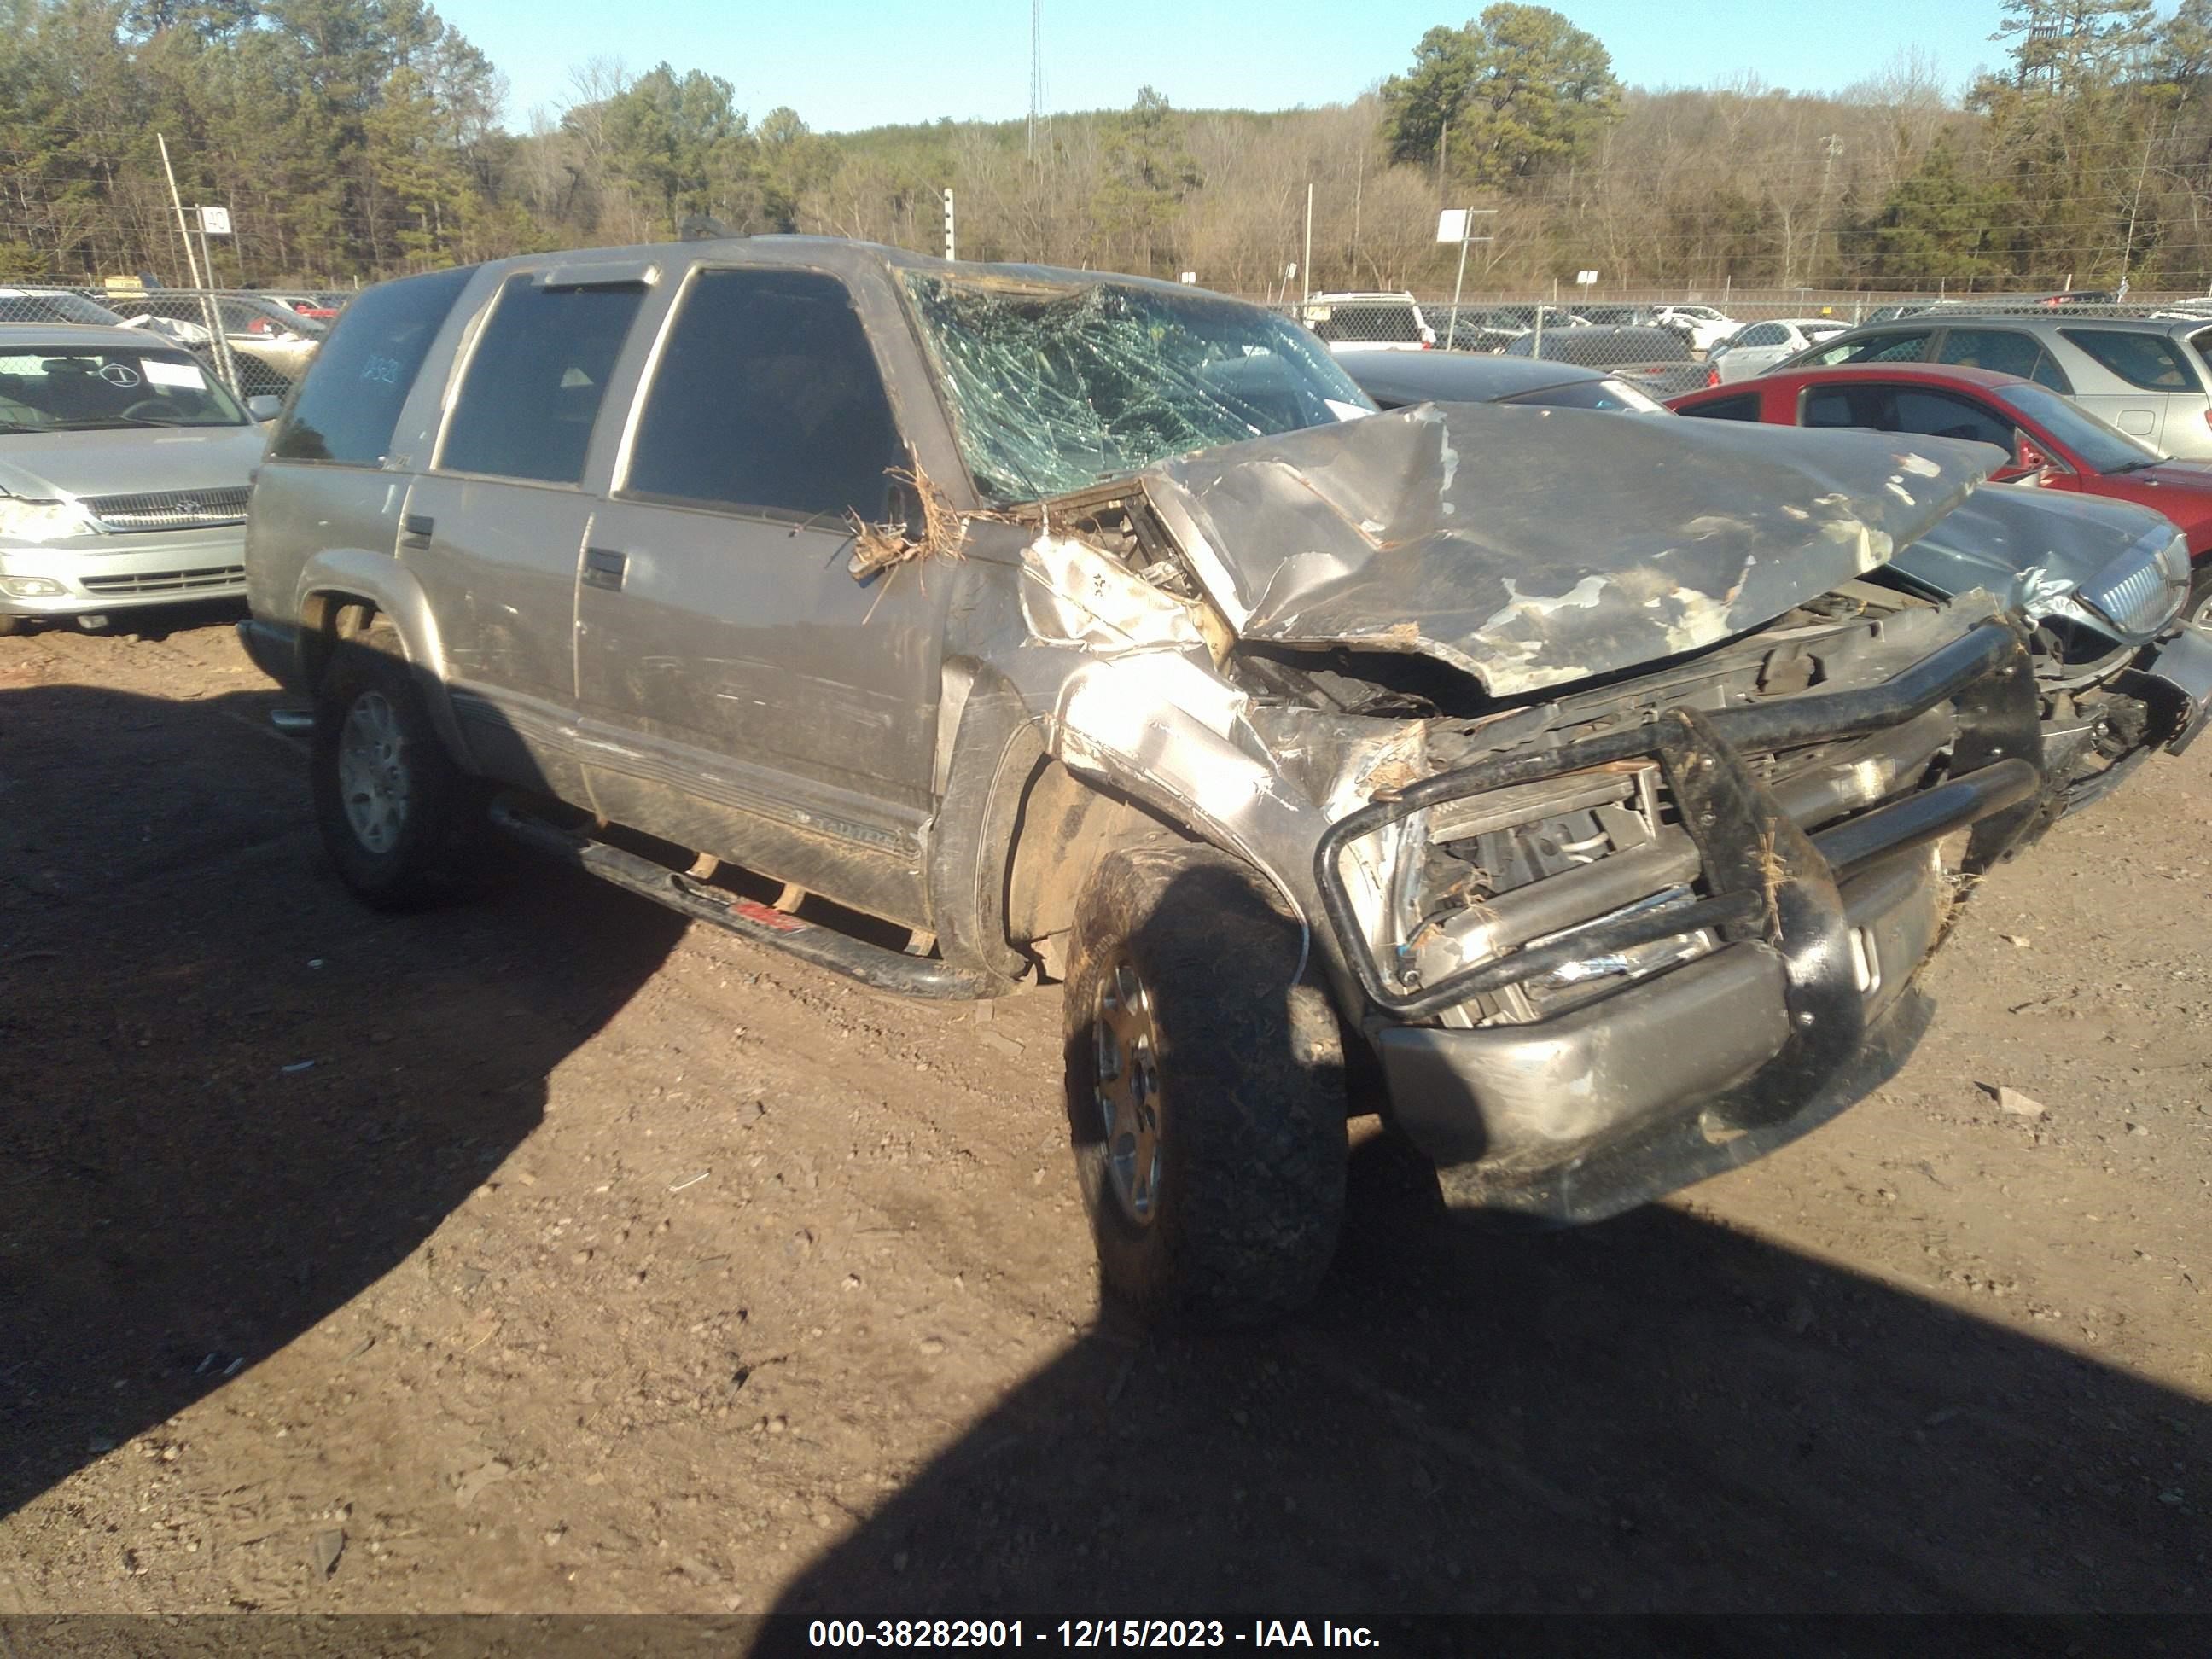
<point>346,574</point>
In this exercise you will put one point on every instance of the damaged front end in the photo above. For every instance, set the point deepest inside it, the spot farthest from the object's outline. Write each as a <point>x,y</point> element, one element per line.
<point>1621,813</point>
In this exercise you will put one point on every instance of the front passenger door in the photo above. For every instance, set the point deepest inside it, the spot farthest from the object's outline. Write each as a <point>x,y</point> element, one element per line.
<point>741,693</point>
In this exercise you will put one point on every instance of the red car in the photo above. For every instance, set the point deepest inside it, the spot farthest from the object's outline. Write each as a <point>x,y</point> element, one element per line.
<point>2053,441</point>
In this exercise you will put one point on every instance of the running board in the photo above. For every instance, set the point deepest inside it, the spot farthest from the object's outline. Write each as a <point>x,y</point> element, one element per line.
<point>875,965</point>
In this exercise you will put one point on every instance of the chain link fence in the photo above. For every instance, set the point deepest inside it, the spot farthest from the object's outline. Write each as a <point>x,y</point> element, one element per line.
<point>256,341</point>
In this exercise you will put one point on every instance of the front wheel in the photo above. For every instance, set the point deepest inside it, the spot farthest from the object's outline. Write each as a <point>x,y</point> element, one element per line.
<point>400,820</point>
<point>1205,1089</point>
<point>2199,607</point>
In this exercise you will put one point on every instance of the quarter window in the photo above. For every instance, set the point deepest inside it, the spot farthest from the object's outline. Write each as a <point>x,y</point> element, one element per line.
<point>767,396</point>
<point>536,379</point>
<point>2147,360</point>
<point>351,402</point>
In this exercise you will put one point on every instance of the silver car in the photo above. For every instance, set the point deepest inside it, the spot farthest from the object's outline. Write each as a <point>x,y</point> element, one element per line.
<point>2150,376</point>
<point>124,471</point>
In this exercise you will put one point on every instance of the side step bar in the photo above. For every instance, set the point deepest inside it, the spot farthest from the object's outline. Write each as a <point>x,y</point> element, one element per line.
<point>872,964</point>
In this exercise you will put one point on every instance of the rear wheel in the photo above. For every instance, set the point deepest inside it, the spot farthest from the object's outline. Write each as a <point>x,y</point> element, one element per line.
<point>1205,1089</point>
<point>400,820</point>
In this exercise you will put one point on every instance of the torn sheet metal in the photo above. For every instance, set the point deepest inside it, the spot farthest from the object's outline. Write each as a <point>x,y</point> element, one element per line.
<point>1533,548</point>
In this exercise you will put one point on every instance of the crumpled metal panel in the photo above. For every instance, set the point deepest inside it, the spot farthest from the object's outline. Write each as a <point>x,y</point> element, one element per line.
<point>1535,547</point>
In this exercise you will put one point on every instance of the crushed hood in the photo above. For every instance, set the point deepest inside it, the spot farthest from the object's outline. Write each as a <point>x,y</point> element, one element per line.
<point>1534,547</point>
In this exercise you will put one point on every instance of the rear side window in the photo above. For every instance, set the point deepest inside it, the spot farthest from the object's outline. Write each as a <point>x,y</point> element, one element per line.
<point>1905,348</point>
<point>535,382</point>
<point>2147,360</point>
<point>767,396</point>
<point>1744,406</point>
<point>1764,334</point>
<point>351,400</point>
<point>2001,350</point>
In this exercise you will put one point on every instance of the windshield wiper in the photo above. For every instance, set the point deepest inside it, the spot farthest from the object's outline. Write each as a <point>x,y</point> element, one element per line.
<point>2133,466</point>
<point>101,423</point>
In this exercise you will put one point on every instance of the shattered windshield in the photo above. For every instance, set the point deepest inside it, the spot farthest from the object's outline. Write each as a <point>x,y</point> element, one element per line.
<point>1056,387</point>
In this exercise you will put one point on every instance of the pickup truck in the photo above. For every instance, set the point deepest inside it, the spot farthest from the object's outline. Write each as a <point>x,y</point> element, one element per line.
<point>953,626</point>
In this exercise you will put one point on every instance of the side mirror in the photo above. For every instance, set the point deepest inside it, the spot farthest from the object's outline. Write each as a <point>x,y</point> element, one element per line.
<point>265,407</point>
<point>2026,458</point>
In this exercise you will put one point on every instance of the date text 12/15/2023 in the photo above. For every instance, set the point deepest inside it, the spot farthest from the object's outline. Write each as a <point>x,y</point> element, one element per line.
<point>1083,1633</point>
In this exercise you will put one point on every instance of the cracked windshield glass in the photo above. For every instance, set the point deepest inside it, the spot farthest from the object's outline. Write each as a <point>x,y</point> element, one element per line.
<point>1056,387</point>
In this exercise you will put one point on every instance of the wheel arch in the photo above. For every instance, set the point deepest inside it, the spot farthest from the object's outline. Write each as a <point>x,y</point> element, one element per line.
<point>339,583</point>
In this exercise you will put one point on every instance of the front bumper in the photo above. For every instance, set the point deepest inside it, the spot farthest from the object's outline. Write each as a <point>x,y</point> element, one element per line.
<point>90,574</point>
<point>1804,1005</point>
<point>2161,699</point>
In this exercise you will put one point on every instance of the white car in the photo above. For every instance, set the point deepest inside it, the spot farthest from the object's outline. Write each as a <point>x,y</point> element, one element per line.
<point>1755,350</point>
<point>1707,326</point>
<point>1368,322</point>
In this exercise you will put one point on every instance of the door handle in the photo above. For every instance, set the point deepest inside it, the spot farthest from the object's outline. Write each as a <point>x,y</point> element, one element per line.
<point>604,568</point>
<point>414,531</point>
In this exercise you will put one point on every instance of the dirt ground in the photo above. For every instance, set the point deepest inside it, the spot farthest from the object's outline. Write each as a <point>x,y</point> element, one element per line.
<point>546,1255</point>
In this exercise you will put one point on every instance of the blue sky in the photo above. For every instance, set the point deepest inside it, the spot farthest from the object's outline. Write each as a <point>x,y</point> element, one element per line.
<point>845,63</point>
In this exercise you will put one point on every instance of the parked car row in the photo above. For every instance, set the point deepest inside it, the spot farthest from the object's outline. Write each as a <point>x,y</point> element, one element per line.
<point>1466,737</point>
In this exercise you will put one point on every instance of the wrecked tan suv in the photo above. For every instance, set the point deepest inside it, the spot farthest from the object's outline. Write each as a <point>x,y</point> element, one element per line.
<point>1573,784</point>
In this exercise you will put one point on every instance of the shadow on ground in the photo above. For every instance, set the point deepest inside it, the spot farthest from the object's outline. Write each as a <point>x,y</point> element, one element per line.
<point>233,1097</point>
<point>1655,1414</point>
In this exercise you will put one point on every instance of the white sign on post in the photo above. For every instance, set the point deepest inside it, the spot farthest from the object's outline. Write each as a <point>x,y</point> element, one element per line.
<point>1451,225</point>
<point>1190,279</point>
<point>1586,278</point>
<point>215,222</point>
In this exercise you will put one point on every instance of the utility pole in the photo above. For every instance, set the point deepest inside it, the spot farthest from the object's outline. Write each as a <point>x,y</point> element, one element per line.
<point>1443,148</point>
<point>218,346</point>
<point>1040,123</point>
<point>1305,279</point>
<point>951,245</point>
<point>1832,147</point>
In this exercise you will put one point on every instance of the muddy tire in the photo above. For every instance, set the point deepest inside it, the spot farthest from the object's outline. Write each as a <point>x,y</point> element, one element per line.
<point>403,824</point>
<point>1205,1090</point>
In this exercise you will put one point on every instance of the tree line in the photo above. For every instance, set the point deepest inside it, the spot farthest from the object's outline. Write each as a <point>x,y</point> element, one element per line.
<point>354,139</point>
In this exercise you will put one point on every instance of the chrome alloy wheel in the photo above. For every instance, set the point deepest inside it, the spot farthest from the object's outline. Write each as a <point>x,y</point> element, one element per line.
<point>1129,1089</point>
<point>373,771</point>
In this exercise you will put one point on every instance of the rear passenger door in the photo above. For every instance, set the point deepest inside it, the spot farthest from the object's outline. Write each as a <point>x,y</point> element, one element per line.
<point>743,693</point>
<point>496,530</point>
<point>2141,371</point>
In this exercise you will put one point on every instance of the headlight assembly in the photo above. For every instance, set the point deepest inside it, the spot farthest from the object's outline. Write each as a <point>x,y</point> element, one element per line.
<point>25,519</point>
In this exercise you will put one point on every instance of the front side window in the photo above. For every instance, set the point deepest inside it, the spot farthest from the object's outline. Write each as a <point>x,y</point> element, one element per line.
<point>349,403</point>
<point>767,396</point>
<point>1764,334</point>
<point>535,382</point>
<point>2149,361</point>
<point>2102,447</point>
<point>71,388</point>
<point>1058,385</point>
<point>1907,408</point>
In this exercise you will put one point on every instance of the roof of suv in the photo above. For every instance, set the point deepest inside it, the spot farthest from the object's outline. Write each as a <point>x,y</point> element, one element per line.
<point>2042,322</point>
<point>837,255</point>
